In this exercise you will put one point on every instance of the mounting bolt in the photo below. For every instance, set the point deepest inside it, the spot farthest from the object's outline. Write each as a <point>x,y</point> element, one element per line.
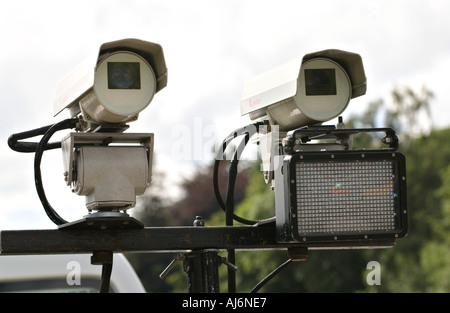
<point>199,221</point>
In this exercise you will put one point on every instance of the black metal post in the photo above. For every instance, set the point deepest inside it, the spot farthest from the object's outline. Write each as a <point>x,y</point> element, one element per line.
<point>202,269</point>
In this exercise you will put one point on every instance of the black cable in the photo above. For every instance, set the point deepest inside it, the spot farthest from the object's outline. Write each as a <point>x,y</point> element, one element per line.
<point>65,124</point>
<point>270,276</point>
<point>229,209</point>
<point>228,206</point>
<point>218,159</point>
<point>106,277</point>
<point>229,217</point>
<point>25,146</point>
<point>248,132</point>
<point>231,274</point>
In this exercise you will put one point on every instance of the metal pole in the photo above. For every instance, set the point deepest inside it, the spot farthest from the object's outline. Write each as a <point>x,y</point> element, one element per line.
<point>181,239</point>
<point>202,269</point>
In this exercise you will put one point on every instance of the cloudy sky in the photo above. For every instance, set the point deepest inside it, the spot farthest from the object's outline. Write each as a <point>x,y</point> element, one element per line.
<point>211,48</point>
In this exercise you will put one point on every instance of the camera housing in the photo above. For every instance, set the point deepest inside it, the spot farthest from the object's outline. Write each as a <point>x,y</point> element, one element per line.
<point>306,91</point>
<point>109,169</point>
<point>113,86</point>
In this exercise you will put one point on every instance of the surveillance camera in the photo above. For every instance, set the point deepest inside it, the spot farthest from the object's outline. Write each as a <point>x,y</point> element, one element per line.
<point>109,90</point>
<point>306,91</point>
<point>115,85</point>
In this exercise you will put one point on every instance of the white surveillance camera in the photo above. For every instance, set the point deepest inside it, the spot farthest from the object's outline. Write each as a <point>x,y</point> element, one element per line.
<point>116,84</point>
<point>306,91</point>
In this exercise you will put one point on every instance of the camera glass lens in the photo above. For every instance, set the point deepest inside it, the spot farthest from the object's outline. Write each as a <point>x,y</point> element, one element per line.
<point>320,82</point>
<point>124,75</point>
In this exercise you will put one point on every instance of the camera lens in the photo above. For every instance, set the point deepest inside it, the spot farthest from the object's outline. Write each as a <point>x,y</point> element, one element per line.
<point>320,82</point>
<point>124,75</point>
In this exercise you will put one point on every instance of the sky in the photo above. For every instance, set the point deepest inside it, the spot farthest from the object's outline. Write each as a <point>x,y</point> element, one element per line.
<point>211,48</point>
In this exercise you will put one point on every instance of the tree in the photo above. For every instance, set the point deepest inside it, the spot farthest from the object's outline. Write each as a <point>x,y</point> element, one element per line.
<point>408,113</point>
<point>418,261</point>
<point>435,254</point>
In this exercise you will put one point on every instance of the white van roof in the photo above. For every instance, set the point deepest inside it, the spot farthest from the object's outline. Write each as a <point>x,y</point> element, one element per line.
<point>64,268</point>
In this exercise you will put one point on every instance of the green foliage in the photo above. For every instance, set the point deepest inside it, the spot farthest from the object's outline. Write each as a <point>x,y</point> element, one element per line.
<point>435,253</point>
<point>442,228</point>
<point>434,262</point>
<point>259,202</point>
<point>419,262</point>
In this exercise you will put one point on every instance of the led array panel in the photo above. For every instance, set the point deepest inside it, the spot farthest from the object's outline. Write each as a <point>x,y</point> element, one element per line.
<point>347,197</point>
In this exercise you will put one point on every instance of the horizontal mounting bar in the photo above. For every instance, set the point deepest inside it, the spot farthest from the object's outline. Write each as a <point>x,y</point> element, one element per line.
<point>155,239</point>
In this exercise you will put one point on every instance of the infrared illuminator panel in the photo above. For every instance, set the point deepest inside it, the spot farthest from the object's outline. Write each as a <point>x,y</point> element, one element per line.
<point>342,196</point>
